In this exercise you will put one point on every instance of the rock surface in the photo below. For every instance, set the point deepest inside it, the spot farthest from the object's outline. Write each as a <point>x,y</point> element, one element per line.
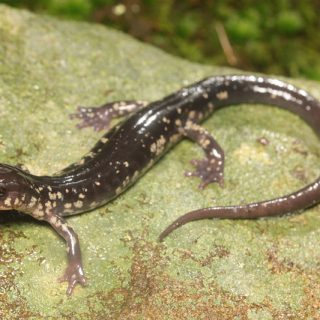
<point>264,269</point>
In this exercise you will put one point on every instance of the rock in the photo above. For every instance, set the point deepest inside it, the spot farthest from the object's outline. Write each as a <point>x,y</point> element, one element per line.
<point>264,269</point>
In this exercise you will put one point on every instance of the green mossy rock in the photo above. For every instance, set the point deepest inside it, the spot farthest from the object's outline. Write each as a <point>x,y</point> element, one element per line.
<point>218,269</point>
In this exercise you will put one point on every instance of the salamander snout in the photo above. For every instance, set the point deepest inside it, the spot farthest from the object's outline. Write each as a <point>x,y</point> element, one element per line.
<point>16,191</point>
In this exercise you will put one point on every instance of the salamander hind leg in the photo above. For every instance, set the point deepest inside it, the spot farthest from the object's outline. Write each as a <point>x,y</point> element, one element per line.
<point>74,272</point>
<point>99,118</point>
<point>210,169</point>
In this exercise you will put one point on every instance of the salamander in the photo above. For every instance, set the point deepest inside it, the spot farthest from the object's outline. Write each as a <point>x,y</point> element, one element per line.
<point>134,145</point>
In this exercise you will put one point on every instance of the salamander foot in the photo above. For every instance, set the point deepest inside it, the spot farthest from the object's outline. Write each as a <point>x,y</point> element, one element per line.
<point>92,117</point>
<point>99,118</point>
<point>74,274</point>
<point>208,170</point>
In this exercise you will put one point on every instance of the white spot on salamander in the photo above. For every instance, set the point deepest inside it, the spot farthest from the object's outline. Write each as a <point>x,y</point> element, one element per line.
<point>93,204</point>
<point>7,202</point>
<point>192,114</point>
<point>165,120</point>
<point>118,190</point>
<point>78,204</point>
<point>48,204</point>
<point>52,196</point>
<point>158,146</point>
<point>104,140</point>
<point>32,202</point>
<point>222,95</point>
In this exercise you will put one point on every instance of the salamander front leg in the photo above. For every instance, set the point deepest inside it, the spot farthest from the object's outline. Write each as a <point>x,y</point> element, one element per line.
<point>99,118</point>
<point>74,273</point>
<point>210,169</point>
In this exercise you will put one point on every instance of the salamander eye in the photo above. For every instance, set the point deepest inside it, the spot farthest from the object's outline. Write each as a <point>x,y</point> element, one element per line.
<point>3,192</point>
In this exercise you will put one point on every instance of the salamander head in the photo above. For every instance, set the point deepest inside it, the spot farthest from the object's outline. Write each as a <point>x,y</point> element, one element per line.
<point>16,190</point>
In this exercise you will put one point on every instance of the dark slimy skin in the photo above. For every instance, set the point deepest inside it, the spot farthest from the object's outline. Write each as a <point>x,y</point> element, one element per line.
<point>129,149</point>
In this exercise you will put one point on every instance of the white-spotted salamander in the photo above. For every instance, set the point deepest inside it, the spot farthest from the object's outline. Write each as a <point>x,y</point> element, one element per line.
<point>129,149</point>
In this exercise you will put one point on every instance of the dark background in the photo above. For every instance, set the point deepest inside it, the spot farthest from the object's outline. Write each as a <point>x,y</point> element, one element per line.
<point>274,36</point>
